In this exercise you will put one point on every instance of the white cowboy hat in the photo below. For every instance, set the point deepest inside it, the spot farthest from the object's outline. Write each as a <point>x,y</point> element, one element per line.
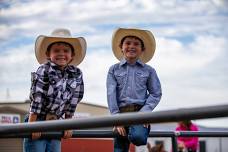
<point>60,35</point>
<point>145,35</point>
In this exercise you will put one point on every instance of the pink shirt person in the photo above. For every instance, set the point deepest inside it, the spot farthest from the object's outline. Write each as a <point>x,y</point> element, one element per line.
<point>190,143</point>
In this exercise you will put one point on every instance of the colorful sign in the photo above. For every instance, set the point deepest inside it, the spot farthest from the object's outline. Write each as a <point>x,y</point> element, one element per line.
<point>9,118</point>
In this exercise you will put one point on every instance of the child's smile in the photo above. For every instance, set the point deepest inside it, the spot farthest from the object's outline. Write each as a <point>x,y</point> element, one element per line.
<point>61,55</point>
<point>132,49</point>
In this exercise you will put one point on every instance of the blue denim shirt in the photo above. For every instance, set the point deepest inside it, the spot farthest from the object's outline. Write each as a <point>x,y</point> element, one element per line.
<point>132,84</point>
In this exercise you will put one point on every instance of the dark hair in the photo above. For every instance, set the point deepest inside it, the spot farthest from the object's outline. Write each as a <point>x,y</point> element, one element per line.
<point>59,42</point>
<point>130,36</point>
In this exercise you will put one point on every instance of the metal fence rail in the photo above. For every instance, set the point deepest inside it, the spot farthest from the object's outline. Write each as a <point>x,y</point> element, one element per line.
<point>121,119</point>
<point>24,130</point>
<point>111,134</point>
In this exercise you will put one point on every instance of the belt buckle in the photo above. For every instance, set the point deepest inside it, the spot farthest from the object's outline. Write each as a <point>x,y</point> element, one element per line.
<point>51,117</point>
<point>132,108</point>
<point>136,107</point>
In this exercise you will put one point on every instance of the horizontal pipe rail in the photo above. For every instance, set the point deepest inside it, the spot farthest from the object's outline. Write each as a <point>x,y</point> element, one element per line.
<point>202,134</point>
<point>114,120</point>
<point>111,134</point>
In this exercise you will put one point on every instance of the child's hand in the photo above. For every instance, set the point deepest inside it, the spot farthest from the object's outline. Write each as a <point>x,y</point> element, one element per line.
<point>120,130</point>
<point>33,118</point>
<point>68,134</point>
<point>146,125</point>
<point>36,135</point>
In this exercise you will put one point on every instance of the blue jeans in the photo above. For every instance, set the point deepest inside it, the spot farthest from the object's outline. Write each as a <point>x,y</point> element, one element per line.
<point>136,134</point>
<point>41,145</point>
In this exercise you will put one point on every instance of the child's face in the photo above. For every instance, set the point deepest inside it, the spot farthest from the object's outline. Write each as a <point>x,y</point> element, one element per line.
<point>61,54</point>
<point>131,48</point>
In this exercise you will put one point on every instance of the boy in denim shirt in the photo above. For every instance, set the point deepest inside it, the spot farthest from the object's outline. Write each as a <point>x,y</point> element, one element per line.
<point>57,85</point>
<point>132,85</point>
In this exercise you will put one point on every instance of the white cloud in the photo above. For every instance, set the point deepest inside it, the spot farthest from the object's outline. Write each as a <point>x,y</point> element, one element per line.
<point>82,16</point>
<point>15,66</point>
<point>34,8</point>
<point>5,32</point>
<point>177,57</point>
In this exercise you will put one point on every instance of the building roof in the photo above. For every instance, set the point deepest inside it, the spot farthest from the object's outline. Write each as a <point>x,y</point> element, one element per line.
<point>28,101</point>
<point>8,109</point>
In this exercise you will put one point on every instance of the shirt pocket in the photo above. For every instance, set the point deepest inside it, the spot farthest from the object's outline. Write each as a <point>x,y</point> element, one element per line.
<point>52,88</point>
<point>72,85</point>
<point>141,79</point>
<point>121,78</point>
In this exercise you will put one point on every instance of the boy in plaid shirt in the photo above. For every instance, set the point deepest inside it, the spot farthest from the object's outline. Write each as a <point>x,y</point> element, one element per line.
<point>57,86</point>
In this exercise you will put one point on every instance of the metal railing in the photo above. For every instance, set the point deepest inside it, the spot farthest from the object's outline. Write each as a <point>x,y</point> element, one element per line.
<point>110,134</point>
<point>23,130</point>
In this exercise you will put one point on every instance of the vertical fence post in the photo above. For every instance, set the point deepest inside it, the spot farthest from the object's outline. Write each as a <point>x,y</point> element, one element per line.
<point>174,143</point>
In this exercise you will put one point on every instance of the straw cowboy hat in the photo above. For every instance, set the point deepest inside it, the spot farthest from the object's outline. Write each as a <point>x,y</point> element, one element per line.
<point>146,36</point>
<point>60,35</point>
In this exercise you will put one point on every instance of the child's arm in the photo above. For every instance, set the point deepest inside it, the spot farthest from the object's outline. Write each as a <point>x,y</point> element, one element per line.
<point>33,118</point>
<point>111,91</point>
<point>38,92</point>
<point>155,92</point>
<point>39,88</point>
<point>76,98</point>
<point>67,133</point>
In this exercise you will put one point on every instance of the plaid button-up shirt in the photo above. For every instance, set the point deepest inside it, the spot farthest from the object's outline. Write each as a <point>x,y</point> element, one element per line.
<point>55,91</point>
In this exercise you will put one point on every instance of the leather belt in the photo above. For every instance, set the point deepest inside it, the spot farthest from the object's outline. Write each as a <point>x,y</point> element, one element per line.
<point>51,117</point>
<point>48,116</point>
<point>130,108</point>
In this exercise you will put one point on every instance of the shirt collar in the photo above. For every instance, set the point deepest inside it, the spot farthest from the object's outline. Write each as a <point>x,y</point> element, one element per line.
<point>69,68</point>
<point>140,62</point>
<point>53,65</point>
<point>124,61</point>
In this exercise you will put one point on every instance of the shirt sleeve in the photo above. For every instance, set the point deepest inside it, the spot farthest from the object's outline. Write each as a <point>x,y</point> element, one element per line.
<point>111,91</point>
<point>77,96</point>
<point>38,89</point>
<point>155,92</point>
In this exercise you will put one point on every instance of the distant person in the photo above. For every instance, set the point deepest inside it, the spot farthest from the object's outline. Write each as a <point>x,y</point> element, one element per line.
<point>189,144</point>
<point>156,148</point>
<point>57,86</point>
<point>132,85</point>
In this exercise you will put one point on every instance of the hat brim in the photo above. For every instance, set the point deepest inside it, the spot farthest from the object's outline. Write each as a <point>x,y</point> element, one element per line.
<point>42,43</point>
<point>146,36</point>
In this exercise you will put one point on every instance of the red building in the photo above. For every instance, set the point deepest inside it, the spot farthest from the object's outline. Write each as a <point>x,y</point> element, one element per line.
<point>89,145</point>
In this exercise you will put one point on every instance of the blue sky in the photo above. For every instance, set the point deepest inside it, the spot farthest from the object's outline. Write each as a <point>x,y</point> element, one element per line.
<point>190,58</point>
